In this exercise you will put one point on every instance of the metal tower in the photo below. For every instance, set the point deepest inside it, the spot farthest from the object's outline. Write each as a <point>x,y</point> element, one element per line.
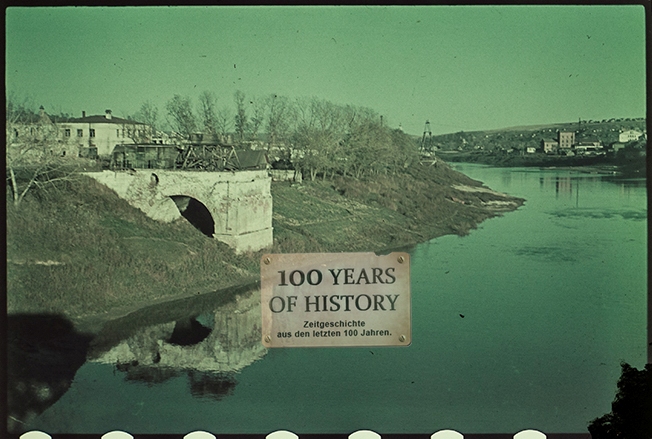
<point>426,140</point>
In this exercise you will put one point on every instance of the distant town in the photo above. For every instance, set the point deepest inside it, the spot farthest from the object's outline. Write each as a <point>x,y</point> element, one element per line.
<point>584,138</point>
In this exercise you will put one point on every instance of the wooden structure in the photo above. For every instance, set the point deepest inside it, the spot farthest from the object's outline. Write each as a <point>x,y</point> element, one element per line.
<point>140,156</point>
<point>200,156</point>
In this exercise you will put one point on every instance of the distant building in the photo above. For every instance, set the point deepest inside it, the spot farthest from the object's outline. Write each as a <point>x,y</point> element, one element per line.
<point>566,139</point>
<point>629,136</point>
<point>589,148</point>
<point>549,146</point>
<point>530,150</point>
<point>36,135</point>
<point>97,135</point>
<point>617,146</point>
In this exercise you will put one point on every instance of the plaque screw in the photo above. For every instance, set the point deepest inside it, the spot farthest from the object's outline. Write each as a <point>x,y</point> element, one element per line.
<point>267,261</point>
<point>401,259</point>
<point>401,338</point>
<point>268,339</point>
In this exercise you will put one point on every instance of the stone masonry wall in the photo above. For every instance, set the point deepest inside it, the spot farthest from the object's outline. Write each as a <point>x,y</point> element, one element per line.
<point>239,202</point>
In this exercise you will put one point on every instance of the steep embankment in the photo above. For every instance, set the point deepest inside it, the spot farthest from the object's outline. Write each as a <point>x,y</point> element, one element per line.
<point>81,251</point>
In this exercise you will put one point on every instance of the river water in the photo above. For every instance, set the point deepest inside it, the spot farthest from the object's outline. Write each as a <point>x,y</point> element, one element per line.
<point>521,324</point>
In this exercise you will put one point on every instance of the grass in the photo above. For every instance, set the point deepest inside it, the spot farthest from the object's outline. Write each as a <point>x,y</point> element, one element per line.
<point>82,251</point>
<point>107,254</point>
<point>385,211</point>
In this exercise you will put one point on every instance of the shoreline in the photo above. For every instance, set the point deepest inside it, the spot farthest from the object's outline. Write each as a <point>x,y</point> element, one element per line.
<point>631,167</point>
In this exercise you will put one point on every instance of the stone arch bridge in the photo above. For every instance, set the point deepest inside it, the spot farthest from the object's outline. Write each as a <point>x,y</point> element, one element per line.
<point>233,207</point>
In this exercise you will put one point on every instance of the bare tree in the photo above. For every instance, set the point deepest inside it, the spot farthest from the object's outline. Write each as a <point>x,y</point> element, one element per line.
<point>334,139</point>
<point>318,137</point>
<point>137,132</point>
<point>207,112</point>
<point>278,118</point>
<point>241,122</point>
<point>148,114</point>
<point>182,118</point>
<point>258,107</point>
<point>280,114</point>
<point>224,122</point>
<point>35,151</point>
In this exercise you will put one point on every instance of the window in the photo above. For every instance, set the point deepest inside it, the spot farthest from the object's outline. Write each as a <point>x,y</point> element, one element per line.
<point>67,132</point>
<point>80,133</point>
<point>117,133</point>
<point>91,132</point>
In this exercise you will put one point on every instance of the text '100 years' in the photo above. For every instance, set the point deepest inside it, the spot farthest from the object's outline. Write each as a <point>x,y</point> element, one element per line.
<point>335,299</point>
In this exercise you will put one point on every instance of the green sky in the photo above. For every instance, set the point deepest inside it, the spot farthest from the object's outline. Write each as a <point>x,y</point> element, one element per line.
<point>463,68</point>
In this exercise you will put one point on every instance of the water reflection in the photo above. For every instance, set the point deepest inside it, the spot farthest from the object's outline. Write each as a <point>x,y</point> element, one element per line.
<point>209,347</point>
<point>43,354</point>
<point>561,184</point>
<point>208,338</point>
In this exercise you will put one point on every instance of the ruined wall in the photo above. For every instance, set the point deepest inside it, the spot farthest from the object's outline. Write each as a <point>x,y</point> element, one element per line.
<point>239,202</point>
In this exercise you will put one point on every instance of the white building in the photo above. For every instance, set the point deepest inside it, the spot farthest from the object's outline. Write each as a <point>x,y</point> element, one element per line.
<point>99,134</point>
<point>549,146</point>
<point>629,135</point>
<point>566,139</point>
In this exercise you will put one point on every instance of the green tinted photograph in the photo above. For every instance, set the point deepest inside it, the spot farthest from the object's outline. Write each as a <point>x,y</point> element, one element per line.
<point>157,158</point>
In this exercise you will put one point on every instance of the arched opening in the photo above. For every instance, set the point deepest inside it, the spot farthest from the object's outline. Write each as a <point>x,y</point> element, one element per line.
<point>189,331</point>
<point>196,213</point>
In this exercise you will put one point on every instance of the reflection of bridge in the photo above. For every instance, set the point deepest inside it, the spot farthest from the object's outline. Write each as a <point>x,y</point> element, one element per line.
<point>234,207</point>
<point>221,340</point>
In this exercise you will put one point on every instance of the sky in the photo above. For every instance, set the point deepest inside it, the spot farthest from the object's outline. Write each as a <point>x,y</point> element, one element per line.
<point>463,68</point>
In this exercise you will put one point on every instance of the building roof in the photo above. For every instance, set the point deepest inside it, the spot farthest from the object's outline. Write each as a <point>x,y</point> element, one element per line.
<point>103,119</point>
<point>550,140</point>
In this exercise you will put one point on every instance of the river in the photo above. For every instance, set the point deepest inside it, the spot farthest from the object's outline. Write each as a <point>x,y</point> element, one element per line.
<point>521,324</point>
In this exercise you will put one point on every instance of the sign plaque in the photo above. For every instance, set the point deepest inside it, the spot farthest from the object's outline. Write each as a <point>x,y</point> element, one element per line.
<point>335,299</point>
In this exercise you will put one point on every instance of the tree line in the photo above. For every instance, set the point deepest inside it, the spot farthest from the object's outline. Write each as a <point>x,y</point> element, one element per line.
<point>312,135</point>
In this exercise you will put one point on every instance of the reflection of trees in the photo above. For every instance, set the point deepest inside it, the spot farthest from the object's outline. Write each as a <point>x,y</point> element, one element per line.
<point>43,354</point>
<point>208,385</point>
<point>145,374</point>
<point>202,384</point>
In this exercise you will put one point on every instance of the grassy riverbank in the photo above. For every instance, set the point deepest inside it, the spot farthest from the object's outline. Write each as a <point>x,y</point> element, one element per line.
<point>81,251</point>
